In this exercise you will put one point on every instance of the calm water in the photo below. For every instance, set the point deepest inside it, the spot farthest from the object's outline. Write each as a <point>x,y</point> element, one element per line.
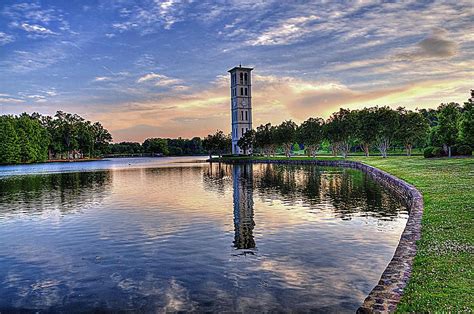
<point>170,234</point>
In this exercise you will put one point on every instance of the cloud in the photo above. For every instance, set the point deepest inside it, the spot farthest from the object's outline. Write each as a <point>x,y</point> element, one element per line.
<point>37,29</point>
<point>36,20</point>
<point>160,80</point>
<point>437,45</point>
<point>150,17</point>
<point>10,100</point>
<point>288,31</point>
<point>6,38</point>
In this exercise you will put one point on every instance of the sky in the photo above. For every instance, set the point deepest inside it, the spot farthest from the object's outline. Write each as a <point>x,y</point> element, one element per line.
<point>158,68</point>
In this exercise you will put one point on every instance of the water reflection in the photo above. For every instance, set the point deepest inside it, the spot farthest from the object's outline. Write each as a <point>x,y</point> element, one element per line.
<point>243,206</point>
<point>65,192</point>
<point>346,192</point>
<point>185,238</point>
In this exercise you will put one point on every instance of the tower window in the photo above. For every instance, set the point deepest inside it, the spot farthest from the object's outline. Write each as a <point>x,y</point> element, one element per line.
<point>246,78</point>
<point>245,91</point>
<point>241,91</point>
<point>246,118</point>
<point>242,131</point>
<point>241,78</point>
<point>242,115</point>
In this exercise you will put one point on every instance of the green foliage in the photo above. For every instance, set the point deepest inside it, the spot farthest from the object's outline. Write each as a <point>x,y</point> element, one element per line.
<point>156,146</point>
<point>386,126</point>
<point>265,139</point>
<point>438,152</point>
<point>467,124</point>
<point>340,131</point>
<point>35,138</point>
<point>448,122</point>
<point>365,121</point>
<point>413,127</point>
<point>310,134</point>
<point>428,152</point>
<point>217,143</point>
<point>285,135</point>
<point>247,141</point>
<point>9,143</point>
<point>464,150</point>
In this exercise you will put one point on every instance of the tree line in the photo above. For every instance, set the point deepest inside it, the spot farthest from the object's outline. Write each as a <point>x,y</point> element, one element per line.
<point>159,147</point>
<point>35,138</point>
<point>447,130</point>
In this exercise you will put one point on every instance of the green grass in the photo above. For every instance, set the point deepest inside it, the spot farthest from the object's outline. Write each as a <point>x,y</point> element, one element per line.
<point>442,278</point>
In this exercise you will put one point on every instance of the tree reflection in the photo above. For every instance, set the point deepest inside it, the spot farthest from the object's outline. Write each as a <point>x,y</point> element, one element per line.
<point>64,191</point>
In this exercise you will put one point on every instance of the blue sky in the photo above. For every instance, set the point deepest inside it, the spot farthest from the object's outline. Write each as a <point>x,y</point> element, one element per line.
<point>159,68</point>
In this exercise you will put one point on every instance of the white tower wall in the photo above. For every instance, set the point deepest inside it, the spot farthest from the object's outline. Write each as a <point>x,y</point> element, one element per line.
<point>241,104</point>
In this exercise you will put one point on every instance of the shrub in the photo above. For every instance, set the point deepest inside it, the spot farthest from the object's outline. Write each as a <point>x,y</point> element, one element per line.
<point>428,152</point>
<point>464,150</point>
<point>438,152</point>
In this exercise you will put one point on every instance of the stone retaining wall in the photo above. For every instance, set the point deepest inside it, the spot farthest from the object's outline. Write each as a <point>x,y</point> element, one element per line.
<point>385,296</point>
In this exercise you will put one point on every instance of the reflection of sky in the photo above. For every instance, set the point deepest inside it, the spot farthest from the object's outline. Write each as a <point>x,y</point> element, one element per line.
<point>162,238</point>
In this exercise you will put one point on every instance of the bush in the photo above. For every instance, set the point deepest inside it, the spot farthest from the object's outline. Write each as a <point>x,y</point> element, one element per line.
<point>464,150</point>
<point>438,152</point>
<point>428,152</point>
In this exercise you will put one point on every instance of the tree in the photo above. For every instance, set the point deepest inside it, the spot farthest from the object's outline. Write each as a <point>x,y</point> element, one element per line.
<point>217,143</point>
<point>448,121</point>
<point>155,146</point>
<point>247,141</point>
<point>310,134</point>
<point>265,139</point>
<point>365,131</point>
<point>285,135</point>
<point>387,122</point>
<point>413,127</point>
<point>9,146</point>
<point>467,124</point>
<point>339,130</point>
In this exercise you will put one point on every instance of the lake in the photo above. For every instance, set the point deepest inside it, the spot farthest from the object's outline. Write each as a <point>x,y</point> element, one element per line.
<point>178,234</point>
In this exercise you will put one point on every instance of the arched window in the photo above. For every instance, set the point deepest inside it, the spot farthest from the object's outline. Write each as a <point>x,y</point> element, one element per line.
<point>246,78</point>
<point>241,78</point>
<point>246,117</point>
<point>242,131</point>
<point>241,91</point>
<point>245,91</point>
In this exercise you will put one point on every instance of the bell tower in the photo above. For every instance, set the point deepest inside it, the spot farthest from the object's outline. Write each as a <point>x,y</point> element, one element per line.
<point>241,104</point>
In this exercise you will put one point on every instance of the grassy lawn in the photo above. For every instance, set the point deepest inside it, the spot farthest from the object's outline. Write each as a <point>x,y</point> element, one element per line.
<point>442,278</point>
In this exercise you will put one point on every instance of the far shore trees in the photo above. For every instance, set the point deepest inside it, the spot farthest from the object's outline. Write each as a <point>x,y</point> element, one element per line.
<point>310,134</point>
<point>37,138</point>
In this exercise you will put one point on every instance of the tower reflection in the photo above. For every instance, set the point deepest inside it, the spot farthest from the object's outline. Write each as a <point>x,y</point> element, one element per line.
<point>243,206</point>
